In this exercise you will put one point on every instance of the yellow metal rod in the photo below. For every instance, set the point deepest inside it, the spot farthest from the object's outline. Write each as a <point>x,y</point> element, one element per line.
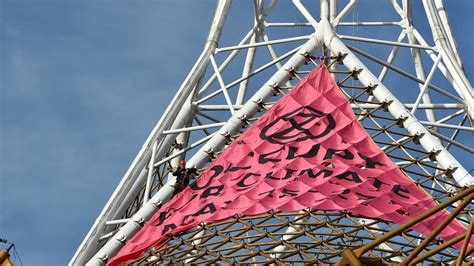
<point>446,244</point>
<point>465,244</point>
<point>348,258</point>
<point>426,214</point>
<point>437,230</point>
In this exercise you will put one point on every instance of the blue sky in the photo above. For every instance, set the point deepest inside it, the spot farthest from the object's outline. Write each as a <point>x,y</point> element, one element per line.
<point>82,84</point>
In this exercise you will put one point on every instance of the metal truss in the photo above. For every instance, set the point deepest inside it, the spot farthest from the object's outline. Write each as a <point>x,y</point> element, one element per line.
<point>354,257</point>
<point>410,94</point>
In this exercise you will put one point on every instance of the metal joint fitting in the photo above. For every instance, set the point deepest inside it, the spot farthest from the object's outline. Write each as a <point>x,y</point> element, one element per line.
<point>244,119</point>
<point>140,221</point>
<point>417,137</point>
<point>433,154</point>
<point>400,120</point>
<point>386,103</point>
<point>157,204</point>
<point>210,152</point>
<point>308,57</point>
<point>451,169</point>
<point>340,57</point>
<point>370,89</point>
<point>292,72</point>
<point>402,25</point>
<point>122,239</point>
<point>104,258</point>
<point>227,136</point>
<point>177,145</point>
<point>276,88</point>
<point>355,73</point>
<point>260,104</point>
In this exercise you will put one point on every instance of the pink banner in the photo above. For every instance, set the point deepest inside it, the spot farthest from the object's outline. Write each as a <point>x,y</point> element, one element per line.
<point>307,151</point>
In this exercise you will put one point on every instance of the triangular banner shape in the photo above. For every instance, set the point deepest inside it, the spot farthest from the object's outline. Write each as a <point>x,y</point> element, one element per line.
<point>307,151</point>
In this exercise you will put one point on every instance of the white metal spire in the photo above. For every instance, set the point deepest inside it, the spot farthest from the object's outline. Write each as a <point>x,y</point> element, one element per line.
<point>208,111</point>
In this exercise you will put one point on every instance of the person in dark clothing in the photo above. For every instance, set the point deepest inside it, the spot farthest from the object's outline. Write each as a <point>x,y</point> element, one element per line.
<point>183,175</point>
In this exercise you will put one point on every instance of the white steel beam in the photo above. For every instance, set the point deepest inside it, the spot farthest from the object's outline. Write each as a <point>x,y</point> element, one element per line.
<point>391,57</point>
<point>424,89</point>
<point>222,84</point>
<point>451,116</point>
<point>306,13</point>
<point>397,8</point>
<point>257,44</point>
<point>449,58</point>
<point>447,126</point>
<point>433,56</point>
<point>451,140</point>
<point>411,105</point>
<point>417,61</point>
<point>271,50</point>
<point>370,23</point>
<point>343,13</point>
<point>187,129</point>
<point>247,69</point>
<point>359,23</point>
<point>107,236</point>
<point>447,29</point>
<point>120,221</point>
<point>149,177</point>
<point>258,29</point>
<point>385,42</point>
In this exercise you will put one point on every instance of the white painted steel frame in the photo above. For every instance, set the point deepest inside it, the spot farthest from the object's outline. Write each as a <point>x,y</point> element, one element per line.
<point>202,156</point>
<point>124,191</point>
<point>385,42</point>
<point>264,43</point>
<point>448,54</point>
<point>175,117</point>
<point>398,110</point>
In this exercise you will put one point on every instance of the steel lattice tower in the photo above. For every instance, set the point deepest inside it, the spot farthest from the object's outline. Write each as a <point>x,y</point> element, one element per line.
<point>407,87</point>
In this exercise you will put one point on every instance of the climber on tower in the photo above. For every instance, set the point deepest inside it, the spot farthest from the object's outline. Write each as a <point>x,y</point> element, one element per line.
<point>183,175</point>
